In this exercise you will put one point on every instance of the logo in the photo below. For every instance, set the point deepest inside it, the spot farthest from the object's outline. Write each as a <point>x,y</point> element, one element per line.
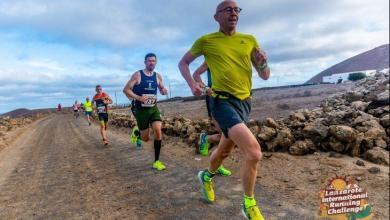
<point>242,42</point>
<point>343,199</point>
<point>149,85</point>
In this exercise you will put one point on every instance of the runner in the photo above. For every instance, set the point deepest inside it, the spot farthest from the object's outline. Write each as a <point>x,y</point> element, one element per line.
<point>142,89</point>
<point>229,56</point>
<point>88,110</point>
<point>102,100</point>
<point>204,139</point>
<point>59,107</point>
<point>76,109</point>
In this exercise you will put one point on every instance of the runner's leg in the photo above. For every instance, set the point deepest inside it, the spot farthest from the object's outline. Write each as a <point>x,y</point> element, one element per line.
<point>242,136</point>
<point>145,135</point>
<point>102,130</point>
<point>215,138</point>
<point>156,126</point>
<point>223,150</point>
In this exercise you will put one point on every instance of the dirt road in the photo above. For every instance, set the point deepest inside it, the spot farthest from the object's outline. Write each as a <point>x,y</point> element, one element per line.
<point>58,169</point>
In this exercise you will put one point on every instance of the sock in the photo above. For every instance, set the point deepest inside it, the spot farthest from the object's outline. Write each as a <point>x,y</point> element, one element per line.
<point>208,175</point>
<point>157,148</point>
<point>249,201</point>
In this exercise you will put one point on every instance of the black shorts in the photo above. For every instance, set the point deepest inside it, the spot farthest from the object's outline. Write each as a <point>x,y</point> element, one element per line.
<point>103,117</point>
<point>88,113</point>
<point>229,112</point>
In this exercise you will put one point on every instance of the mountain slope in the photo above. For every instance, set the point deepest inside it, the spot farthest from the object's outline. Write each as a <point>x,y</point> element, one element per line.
<point>375,59</point>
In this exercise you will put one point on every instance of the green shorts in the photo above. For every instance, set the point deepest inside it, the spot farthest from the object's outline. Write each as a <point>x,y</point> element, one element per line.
<point>146,116</point>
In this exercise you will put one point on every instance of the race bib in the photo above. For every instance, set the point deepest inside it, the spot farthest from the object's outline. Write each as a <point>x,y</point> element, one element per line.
<point>101,109</point>
<point>151,101</point>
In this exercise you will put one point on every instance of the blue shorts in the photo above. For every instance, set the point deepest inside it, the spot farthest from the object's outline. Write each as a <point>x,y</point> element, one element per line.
<point>208,105</point>
<point>229,112</point>
<point>103,117</point>
<point>88,113</point>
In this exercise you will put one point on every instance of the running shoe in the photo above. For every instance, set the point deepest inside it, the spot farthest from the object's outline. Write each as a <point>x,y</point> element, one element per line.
<point>250,210</point>
<point>139,143</point>
<point>158,165</point>
<point>133,136</point>
<point>105,141</point>
<point>223,171</point>
<point>203,144</point>
<point>206,186</point>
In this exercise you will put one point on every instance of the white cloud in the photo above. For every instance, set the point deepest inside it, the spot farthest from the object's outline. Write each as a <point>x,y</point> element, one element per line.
<point>43,63</point>
<point>61,49</point>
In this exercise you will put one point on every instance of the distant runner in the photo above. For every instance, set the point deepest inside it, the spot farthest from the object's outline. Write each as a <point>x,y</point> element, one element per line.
<point>204,139</point>
<point>230,56</point>
<point>59,107</point>
<point>76,109</point>
<point>102,100</point>
<point>88,110</point>
<point>142,88</point>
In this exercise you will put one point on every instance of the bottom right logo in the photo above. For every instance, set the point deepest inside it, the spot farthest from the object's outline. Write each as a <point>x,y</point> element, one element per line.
<point>343,199</point>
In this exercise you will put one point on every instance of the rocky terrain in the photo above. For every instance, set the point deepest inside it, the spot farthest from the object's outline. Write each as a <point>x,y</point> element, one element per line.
<point>303,150</point>
<point>344,134</point>
<point>8,125</point>
<point>355,122</point>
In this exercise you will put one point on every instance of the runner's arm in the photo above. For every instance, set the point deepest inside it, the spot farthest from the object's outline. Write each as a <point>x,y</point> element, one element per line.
<point>259,61</point>
<point>185,72</point>
<point>196,75</point>
<point>128,89</point>
<point>160,84</point>
<point>108,100</point>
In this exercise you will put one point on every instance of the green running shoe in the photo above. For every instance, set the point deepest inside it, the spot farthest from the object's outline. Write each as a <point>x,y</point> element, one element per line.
<point>251,211</point>
<point>203,144</point>
<point>158,165</point>
<point>139,144</point>
<point>223,171</point>
<point>206,186</point>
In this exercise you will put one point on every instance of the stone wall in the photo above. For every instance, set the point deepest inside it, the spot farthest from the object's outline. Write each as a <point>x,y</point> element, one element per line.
<point>354,123</point>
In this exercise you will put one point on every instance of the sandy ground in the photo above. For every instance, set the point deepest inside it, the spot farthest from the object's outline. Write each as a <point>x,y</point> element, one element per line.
<point>58,169</point>
<point>297,180</point>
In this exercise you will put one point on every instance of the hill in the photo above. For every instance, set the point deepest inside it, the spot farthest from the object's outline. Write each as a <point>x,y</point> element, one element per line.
<point>23,112</point>
<point>375,59</point>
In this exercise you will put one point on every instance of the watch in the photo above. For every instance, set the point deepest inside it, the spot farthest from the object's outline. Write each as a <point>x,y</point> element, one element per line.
<point>263,66</point>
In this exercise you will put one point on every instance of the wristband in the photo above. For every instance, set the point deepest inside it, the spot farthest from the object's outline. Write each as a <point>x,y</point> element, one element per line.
<point>204,89</point>
<point>263,66</point>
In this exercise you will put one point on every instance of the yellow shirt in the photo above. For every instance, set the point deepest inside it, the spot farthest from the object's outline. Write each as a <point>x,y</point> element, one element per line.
<point>88,106</point>
<point>229,61</point>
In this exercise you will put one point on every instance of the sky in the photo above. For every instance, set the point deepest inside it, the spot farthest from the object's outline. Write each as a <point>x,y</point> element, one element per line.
<point>57,51</point>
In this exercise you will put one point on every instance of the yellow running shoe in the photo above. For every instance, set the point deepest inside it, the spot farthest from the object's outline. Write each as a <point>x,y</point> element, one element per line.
<point>250,210</point>
<point>206,186</point>
<point>158,165</point>
<point>133,135</point>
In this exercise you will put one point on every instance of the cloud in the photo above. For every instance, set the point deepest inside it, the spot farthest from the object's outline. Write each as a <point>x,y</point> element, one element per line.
<point>115,61</point>
<point>59,50</point>
<point>45,64</point>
